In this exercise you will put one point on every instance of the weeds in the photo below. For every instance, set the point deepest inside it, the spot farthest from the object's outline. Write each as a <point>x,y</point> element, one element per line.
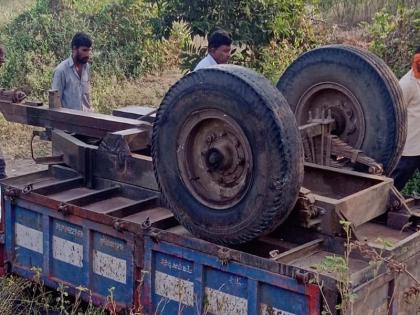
<point>20,297</point>
<point>340,267</point>
<point>349,13</point>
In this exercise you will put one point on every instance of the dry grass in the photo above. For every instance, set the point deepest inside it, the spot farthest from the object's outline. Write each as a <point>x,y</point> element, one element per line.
<point>12,8</point>
<point>15,139</point>
<point>349,13</point>
<point>354,37</point>
<point>148,90</point>
<point>20,296</point>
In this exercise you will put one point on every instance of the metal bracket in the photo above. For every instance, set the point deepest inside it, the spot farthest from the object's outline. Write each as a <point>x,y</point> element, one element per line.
<point>12,192</point>
<point>46,160</point>
<point>146,224</point>
<point>400,216</point>
<point>302,277</point>
<point>119,225</point>
<point>308,214</point>
<point>144,117</point>
<point>64,209</point>
<point>27,189</point>
<point>224,255</point>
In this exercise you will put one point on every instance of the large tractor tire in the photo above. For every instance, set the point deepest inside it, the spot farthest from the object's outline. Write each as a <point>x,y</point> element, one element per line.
<point>360,90</point>
<point>227,154</point>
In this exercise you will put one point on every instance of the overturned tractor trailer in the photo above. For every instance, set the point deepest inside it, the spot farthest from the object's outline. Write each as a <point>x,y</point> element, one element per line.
<point>235,197</point>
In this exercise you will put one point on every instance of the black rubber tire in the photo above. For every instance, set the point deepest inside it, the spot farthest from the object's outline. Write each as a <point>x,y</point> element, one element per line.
<point>370,80</point>
<point>269,125</point>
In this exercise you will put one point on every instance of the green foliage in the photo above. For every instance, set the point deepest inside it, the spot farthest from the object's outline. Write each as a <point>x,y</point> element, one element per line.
<point>413,186</point>
<point>179,47</point>
<point>268,35</point>
<point>394,37</point>
<point>275,57</point>
<point>39,39</point>
<point>254,23</point>
<point>88,7</point>
<point>339,266</point>
<point>249,21</point>
<point>123,38</point>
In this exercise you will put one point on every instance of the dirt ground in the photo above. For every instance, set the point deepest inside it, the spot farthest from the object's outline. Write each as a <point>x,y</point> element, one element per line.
<point>17,167</point>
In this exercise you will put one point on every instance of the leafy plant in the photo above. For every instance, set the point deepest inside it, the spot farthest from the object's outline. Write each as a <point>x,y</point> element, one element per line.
<point>39,39</point>
<point>394,37</point>
<point>250,22</point>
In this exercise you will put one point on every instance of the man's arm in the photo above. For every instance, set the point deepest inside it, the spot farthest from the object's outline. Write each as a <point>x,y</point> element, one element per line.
<point>59,82</point>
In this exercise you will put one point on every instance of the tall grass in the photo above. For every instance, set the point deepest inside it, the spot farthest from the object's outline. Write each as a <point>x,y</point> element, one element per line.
<point>348,13</point>
<point>12,8</point>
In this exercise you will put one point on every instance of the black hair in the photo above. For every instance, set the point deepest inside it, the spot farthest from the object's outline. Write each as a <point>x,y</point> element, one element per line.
<point>219,38</point>
<point>81,39</point>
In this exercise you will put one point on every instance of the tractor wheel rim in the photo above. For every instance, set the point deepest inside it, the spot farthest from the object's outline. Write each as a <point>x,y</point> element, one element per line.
<point>346,110</point>
<point>214,158</point>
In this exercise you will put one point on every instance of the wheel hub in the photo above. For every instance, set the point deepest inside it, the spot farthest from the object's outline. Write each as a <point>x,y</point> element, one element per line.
<point>345,109</point>
<point>215,159</point>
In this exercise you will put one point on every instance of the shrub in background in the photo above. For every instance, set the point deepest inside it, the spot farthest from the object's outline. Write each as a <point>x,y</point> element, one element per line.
<point>38,39</point>
<point>394,37</point>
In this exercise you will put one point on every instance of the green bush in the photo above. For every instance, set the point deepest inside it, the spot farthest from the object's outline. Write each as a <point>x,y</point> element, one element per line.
<point>37,40</point>
<point>267,34</point>
<point>128,41</point>
<point>394,37</point>
<point>251,22</point>
<point>281,52</point>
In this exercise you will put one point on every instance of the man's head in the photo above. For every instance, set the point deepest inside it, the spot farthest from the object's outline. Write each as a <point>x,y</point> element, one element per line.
<point>220,46</point>
<point>2,55</point>
<point>416,63</point>
<point>81,46</point>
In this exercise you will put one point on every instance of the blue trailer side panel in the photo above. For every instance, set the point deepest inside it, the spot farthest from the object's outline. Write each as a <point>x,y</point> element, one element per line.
<point>184,281</point>
<point>27,236</point>
<point>67,248</point>
<point>70,250</point>
<point>112,267</point>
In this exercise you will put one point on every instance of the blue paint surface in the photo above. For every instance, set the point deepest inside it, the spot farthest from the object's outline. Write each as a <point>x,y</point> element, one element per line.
<point>283,299</point>
<point>64,270</point>
<point>24,256</point>
<point>116,248</point>
<point>257,286</point>
<point>226,282</point>
<point>175,267</point>
<point>28,218</point>
<point>85,233</point>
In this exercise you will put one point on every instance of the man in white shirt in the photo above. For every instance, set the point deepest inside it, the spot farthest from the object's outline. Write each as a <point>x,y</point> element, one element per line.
<point>219,47</point>
<point>410,159</point>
